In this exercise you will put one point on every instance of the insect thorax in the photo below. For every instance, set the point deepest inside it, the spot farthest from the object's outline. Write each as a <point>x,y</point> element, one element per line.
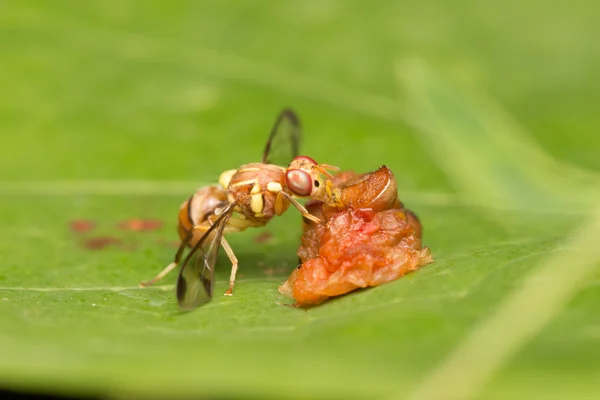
<point>255,187</point>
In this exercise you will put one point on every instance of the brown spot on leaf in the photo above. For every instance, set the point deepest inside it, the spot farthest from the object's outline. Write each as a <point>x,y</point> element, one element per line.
<point>82,225</point>
<point>100,242</point>
<point>264,237</point>
<point>138,225</point>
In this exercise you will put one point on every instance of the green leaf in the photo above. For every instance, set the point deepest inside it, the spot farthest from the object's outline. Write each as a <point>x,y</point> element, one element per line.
<point>116,110</point>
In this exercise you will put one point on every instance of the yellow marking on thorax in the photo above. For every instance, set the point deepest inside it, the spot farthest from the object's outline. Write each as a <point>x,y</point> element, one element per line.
<point>243,183</point>
<point>274,187</point>
<point>225,177</point>
<point>256,203</point>
<point>255,189</point>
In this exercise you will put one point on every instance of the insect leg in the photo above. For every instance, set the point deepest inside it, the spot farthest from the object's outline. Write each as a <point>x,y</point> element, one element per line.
<point>160,275</point>
<point>234,265</point>
<point>177,258</point>
<point>301,208</point>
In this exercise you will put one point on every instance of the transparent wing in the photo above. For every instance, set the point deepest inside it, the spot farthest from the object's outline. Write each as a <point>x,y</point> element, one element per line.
<point>196,279</point>
<point>284,140</point>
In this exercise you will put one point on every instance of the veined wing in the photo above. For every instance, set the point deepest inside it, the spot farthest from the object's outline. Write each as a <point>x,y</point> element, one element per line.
<point>284,140</point>
<point>196,280</point>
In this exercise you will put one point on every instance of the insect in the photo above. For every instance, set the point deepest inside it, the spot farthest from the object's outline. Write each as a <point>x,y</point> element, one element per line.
<point>249,196</point>
<point>367,238</point>
<point>376,190</point>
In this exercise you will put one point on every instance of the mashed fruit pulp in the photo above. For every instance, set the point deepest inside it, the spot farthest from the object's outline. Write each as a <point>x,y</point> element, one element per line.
<point>355,248</point>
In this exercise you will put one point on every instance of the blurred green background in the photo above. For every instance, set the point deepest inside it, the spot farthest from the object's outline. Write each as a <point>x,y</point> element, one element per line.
<point>120,109</point>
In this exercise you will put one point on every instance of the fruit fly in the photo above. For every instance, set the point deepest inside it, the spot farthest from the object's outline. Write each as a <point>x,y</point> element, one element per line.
<point>249,196</point>
<point>367,238</point>
<point>347,190</point>
<point>376,190</point>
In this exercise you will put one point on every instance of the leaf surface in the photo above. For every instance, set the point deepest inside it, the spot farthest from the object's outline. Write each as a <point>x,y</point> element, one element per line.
<point>118,110</point>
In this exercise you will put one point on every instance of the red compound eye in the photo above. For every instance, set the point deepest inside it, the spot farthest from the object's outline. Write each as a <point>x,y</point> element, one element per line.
<point>305,158</point>
<point>299,182</point>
